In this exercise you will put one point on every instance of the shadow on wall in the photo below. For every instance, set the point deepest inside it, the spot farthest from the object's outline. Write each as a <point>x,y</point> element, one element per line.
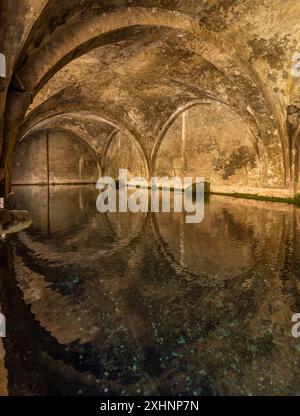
<point>56,158</point>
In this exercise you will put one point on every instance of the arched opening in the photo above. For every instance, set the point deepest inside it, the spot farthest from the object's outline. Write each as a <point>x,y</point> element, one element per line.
<point>213,142</point>
<point>123,152</point>
<point>54,157</point>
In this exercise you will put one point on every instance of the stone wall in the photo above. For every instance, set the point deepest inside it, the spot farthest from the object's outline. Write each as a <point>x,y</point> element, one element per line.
<point>213,142</point>
<point>30,160</point>
<point>124,153</point>
<point>69,160</point>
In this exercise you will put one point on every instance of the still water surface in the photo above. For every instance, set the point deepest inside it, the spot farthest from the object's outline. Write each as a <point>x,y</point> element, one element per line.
<point>147,304</point>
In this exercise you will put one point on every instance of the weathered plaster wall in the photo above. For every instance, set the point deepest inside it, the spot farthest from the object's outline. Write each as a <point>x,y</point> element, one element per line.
<point>123,153</point>
<point>210,141</point>
<point>70,160</point>
<point>33,167</point>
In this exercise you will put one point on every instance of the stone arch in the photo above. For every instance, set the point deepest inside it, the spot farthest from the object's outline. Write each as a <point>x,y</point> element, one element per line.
<point>259,147</point>
<point>35,118</point>
<point>63,46</point>
<point>68,129</point>
<point>64,43</point>
<point>137,144</point>
<point>33,123</point>
<point>40,165</point>
<point>194,103</point>
<point>105,150</point>
<point>46,122</point>
<point>207,44</point>
<point>238,151</point>
<point>44,125</point>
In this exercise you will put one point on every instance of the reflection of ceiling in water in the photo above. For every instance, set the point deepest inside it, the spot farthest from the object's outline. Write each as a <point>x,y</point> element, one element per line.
<point>106,319</point>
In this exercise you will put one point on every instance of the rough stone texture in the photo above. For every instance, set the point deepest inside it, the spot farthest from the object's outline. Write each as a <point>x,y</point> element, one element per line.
<point>218,148</point>
<point>78,163</point>
<point>33,168</point>
<point>3,372</point>
<point>136,63</point>
<point>123,152</point>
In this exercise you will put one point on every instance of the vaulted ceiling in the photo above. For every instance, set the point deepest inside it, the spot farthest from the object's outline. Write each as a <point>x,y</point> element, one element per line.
<point>94,66</point>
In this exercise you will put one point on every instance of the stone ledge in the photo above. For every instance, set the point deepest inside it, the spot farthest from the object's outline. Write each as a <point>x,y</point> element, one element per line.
<point>260,192</point>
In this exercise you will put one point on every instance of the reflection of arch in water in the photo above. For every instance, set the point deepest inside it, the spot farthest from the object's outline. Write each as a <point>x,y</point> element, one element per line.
<point>49,247</point>
<point>48,341</point>
<point>62,363</point>
<point>42,278</point>
<point>178,267</point>
<point>66,368</point>
<point>90,225</point>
